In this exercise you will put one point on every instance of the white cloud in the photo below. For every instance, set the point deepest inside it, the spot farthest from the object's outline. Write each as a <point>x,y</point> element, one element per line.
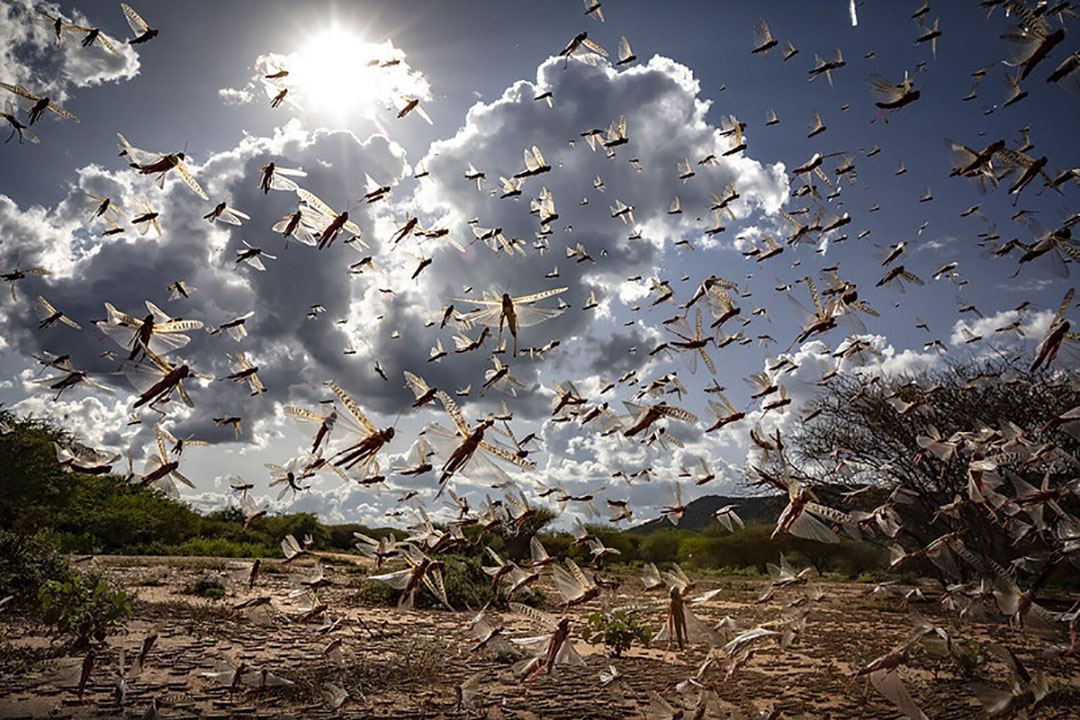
<point>666,121</point>
<point>813,360</point>
<point>31,57</point>
<point>232,97</point>
<point>334,74</point>
<point>1032,326</point>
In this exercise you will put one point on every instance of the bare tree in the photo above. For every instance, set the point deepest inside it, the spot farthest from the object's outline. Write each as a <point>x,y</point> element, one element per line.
<point>972,467</point>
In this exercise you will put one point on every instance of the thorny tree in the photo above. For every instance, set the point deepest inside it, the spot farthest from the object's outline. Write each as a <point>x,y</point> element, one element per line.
<point>972,467</point>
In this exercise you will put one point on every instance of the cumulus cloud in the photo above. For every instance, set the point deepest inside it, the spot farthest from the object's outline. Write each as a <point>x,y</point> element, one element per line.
<point>379,314</point>
<point>295,353</point>
<point>803,369</point>
<point>32,58</point>
<point>232,96</point>
<point>315,77</point>
<point>1003,326</point>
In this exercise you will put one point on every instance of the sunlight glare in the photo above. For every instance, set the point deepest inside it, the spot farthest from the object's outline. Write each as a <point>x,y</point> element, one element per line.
<point>336,72</point>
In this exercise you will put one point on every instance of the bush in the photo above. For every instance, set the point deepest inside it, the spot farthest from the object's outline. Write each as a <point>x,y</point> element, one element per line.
<point>220,547</point>
<point>617,631</point>
<point>971,660</point>
<point>84,607</point>
<point>376,592</point>
<point>466,583</point>
<point>26,562</point>
<point>750,572</point>
<point>661,547</point>
<point>207,586</point>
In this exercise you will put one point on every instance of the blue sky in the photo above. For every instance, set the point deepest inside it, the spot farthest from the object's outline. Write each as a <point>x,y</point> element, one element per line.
<point>478,65</point>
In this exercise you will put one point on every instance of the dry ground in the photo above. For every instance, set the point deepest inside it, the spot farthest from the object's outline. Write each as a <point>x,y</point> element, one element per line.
<point>409,664</point>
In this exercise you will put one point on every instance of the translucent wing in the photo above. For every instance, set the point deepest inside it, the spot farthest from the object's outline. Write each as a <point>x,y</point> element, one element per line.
<point>454,412</point>
<point>143,377</point>
<point>536,550</point>
<point>884,90</point>
<point>182,169</point>
<point>888,683</point>
<point>164,343</point>
<point>397,580</point>
<point>444,442</point>
<point>124,335</point>
<point>350,405</point>
<point>575,572</point>
<point>810,528</point>
<point>1021,45</point>
<point>568,655</point>
<point>480,469</point>
<point>278,182</point>
<point>315,203</point>
<point>106,43</point>
<point>678,413</point>
<point>762,36</point>
<point>302,230</point>
<point>565,583</point>
<point>21,92</point>
<point>540,620</point>
<point>528,315</point>
<point>594,47</point>
<point>159,442</point>
<point>504,453</point>
<point>136,155</point>
<point>488,316</point>
<point>138,25</point>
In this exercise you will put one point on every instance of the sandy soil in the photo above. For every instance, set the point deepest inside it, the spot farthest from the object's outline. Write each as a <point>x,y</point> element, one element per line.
<point>410,664</point>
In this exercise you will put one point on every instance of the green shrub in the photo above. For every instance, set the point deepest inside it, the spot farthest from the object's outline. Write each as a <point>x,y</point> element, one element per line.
<point>466,583</point>
<point>557,545</point>
<point>617,631</point>
<point>27,561</point>
<point>971,660</point>
<point>207,586</point>
<point>375,592</point>
<point>749,571</point>
<point>661,547</point>
<point>84,608</point>
<point>221,547</point>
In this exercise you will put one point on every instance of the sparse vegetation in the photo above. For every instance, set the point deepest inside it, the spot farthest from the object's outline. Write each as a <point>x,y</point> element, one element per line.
<point>207,586</point>
<point>96,514</point>
<point>971,659</point>
<point>26,562</point>
<point>83,608</point>
<point>859,417</point>
<point>618,631</point>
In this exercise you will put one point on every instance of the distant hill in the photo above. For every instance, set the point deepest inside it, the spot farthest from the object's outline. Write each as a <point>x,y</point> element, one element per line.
<point>699,513</point>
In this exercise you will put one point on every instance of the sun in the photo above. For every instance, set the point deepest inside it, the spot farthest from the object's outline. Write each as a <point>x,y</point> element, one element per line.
<point>337,72</point>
